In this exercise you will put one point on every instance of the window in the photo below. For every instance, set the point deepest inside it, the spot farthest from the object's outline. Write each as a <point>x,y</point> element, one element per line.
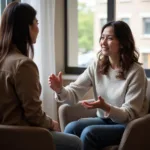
<point>125,0</point>
<point>136,16</point>
<point>145,58</point>
<point>125,20</point>
<point>145,0</point>
<point>103,21</point>
<point>102,1</point>
<point>3,4</point>
<point>83,20</point>
<point>146,26</point>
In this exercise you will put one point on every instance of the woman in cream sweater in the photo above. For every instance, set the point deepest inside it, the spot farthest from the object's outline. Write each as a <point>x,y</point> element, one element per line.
<point>119,85</point>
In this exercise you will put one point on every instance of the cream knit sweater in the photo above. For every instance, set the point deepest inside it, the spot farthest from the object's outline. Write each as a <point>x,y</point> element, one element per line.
<point>126,97</point>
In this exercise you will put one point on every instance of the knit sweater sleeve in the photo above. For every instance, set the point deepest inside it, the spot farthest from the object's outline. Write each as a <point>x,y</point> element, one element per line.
<point>74,92</point>
<point>134,99</point>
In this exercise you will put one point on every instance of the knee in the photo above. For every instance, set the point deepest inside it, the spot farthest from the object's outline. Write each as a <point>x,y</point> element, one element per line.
<point>72,127</point>
<point>87,133</point>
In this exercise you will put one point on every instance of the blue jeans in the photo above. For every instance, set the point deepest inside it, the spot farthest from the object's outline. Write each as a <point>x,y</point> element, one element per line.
<point>96,133</point>
<point>66,141</point>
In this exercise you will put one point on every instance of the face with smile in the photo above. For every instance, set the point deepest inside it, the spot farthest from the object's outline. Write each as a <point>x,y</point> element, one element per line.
<point>109,43</point>
<point>34,30</point>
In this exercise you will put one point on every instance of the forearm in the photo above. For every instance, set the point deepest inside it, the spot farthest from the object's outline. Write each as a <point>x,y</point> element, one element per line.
<point>119,115</point>
<point>66,96</point>
<point>38,118</point>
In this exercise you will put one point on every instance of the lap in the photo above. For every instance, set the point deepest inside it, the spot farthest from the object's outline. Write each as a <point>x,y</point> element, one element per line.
<point>84,122</point>
<point>94,124</point>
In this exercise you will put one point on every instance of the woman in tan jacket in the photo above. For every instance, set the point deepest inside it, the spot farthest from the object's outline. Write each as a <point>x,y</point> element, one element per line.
<point>19,77</point>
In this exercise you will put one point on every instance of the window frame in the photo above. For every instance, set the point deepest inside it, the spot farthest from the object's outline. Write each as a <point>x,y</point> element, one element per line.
<point>3,4</point>
<point>144,25</point>
<point>110,16</point>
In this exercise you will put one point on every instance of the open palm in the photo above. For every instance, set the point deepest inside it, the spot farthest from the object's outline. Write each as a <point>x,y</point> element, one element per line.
<point>96,104</point>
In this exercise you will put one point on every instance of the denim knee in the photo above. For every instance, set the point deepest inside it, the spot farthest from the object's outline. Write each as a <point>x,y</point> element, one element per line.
<point>87,138</point>
<point>73,128</point>
<point>86,133</point>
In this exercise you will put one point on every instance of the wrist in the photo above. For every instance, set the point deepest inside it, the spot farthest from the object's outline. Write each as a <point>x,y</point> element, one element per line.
<point>59,91</point>
<point>107,108</point>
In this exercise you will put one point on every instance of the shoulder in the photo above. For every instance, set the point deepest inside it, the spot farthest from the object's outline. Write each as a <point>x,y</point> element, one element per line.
<point>15,60</point>
<point>136,72</point>
<point>136,68</point>
<point>93,65</point>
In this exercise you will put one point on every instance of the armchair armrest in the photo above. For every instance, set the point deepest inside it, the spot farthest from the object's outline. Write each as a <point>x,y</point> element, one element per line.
<point>25,138</point>
<point>136,135</point>
<point>69,113</point>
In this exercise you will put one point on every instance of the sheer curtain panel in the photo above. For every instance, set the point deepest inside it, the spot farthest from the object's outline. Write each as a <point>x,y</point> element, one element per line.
<point>45,50</point>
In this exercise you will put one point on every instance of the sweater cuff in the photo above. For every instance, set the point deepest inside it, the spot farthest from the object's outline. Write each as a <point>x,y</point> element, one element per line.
<point>60,97</point>
<point>117,115</point>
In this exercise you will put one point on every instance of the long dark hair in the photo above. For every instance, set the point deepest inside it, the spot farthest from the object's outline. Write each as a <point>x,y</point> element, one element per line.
<point>14,29</point>
<point>128,52</point>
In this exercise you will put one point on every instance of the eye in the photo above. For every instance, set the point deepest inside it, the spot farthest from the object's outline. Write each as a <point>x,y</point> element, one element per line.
<point>110,38</point>
<point>102,37</point>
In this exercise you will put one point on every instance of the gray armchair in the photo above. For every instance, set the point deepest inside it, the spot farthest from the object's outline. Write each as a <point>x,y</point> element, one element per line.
<point>25,138</point>
<point>135,137</point>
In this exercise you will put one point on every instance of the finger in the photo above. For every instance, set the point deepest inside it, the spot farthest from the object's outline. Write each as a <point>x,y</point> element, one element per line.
<point>60,76</point>
<point>101,99</point>
<point>55,78</point>
<point>52,77</point>
<point>86,105</point>
<point>91,103</point>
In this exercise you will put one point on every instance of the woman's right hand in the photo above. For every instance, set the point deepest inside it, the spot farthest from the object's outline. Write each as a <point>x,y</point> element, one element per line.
<point>55,82</point>
<point>55,126</point>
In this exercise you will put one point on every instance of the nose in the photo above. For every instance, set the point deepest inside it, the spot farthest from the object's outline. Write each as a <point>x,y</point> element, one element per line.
<point>104,41</point>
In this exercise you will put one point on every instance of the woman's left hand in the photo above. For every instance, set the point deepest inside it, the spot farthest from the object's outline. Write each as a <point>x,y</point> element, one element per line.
<point>100,103</point>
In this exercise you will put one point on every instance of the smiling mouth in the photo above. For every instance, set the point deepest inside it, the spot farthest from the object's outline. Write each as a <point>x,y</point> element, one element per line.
<point>104,49</point>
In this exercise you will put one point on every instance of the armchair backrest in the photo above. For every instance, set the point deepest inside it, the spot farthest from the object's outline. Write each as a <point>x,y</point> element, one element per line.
<point>25,138</point>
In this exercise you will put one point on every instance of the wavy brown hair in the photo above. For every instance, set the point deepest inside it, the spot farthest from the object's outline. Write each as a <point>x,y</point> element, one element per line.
<point>128,52</point>
<point>14,29</point>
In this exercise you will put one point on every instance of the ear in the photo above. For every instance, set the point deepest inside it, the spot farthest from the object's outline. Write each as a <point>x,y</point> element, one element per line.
<point>121,46</point>
<point>30,28</point>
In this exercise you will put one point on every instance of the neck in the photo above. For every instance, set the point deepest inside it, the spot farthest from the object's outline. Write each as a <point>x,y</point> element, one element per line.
<point>114,62</point>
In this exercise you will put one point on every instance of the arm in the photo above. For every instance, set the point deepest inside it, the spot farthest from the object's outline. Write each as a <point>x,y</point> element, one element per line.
<point>28,90</point>
<point>135,104</point>
<point>76,90</point>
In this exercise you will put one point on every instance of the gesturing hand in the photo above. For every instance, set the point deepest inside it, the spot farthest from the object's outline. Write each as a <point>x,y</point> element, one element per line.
<point>55,82</point>
<point>100,103</point>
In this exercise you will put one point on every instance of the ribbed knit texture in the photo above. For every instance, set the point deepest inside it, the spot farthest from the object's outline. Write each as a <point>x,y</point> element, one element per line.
<point>126,97</point>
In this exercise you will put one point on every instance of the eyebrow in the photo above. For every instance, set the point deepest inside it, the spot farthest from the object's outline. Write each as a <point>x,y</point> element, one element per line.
<point>108,34</point>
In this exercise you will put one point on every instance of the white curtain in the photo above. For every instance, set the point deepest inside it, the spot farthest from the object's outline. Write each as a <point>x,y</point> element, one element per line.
<point>45,50</point>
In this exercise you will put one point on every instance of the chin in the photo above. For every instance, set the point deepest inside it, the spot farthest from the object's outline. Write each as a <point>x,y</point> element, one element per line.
<point>105,53</point>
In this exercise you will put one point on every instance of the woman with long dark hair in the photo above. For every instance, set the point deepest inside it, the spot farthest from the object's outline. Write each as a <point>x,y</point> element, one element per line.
<point>20,88</point>
<point>119,86</point>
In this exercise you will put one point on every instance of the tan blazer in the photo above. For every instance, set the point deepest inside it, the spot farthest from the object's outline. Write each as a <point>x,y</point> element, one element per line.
<point>20,91</point>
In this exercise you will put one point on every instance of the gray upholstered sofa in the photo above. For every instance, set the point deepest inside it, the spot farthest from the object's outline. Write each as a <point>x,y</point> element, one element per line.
<point>135,137</point>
